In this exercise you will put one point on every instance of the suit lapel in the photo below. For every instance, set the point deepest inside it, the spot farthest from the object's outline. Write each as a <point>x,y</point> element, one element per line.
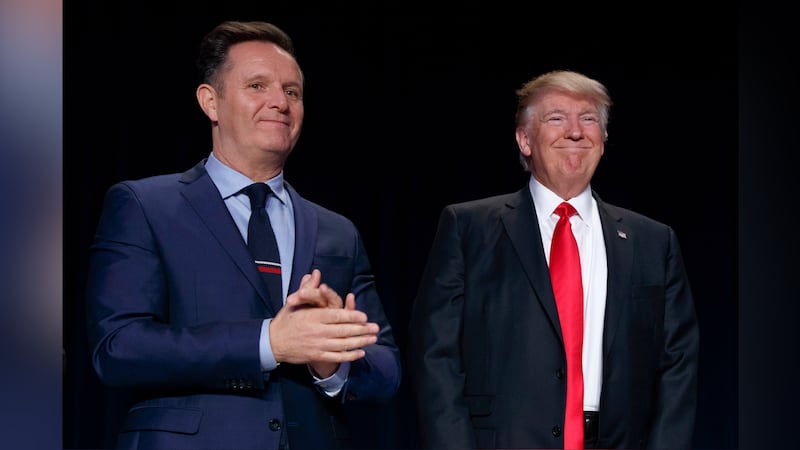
<point>619,241</point>
<point>203,197</point>
<point>305,225</point>
<point>521,224</point>
<point>522,227</point>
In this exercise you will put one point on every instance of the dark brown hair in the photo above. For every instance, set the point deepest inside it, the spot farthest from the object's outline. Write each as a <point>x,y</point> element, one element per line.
<point>213,50</point>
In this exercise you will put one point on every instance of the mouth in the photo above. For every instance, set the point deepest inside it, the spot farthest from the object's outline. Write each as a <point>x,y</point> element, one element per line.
<point>274,121</point>
<point>571,148</point>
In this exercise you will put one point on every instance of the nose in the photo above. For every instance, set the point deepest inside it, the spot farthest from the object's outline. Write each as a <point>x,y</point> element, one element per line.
<point>574,129</point>
<point>277,99</point>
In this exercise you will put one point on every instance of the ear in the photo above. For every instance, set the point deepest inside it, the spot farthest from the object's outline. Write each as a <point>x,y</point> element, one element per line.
<point>523,142</point>
<point>207,98</point>
<point>603,144</point>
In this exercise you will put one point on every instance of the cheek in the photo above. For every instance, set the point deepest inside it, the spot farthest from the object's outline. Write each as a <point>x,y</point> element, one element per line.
<point>233,111</point>
<point>594,134</point>
<point>297,124</point>
<point>549,138</point>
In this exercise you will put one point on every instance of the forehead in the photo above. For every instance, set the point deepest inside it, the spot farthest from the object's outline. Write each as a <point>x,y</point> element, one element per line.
<point>256,56</point>
<point>565,102</point>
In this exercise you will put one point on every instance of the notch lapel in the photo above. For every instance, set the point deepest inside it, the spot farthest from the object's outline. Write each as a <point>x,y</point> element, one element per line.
<point>203,197</point>
<point>619,241</point>
<point>523,230</point>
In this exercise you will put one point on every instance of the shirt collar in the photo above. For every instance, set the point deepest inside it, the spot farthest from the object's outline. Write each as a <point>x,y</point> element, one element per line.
<point>546,200</point>
<point>230,182</point>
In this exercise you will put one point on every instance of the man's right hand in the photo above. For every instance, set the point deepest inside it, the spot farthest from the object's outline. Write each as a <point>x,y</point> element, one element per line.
<point>316,327</point>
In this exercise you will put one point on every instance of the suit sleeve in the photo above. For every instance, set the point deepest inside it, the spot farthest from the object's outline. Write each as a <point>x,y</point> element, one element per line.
<point>133,340</point>
<point>376,377</point>
<point>436,326</point>
<point>677,394</point>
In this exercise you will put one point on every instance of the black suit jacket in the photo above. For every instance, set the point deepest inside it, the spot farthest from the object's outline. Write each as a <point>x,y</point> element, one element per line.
<point>486,353</point>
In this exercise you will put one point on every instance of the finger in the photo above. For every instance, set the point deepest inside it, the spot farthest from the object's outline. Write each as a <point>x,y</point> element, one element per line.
<point>343,316</point>
<point>311,280</point>
<point>308,292</point>
<point>347,344</point>
<point>331,297</point>
<point>316,276</point>
<point>350,302</point>
<point>309,298</point>
<point>341,356</point>
<point>291,299</point>
<point>346,330</point>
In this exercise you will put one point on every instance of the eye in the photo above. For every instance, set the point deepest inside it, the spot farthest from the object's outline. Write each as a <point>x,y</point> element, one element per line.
<point>256,86</point>
<point>555,120</point>
<point>590,119</point>
<point>293,93</point>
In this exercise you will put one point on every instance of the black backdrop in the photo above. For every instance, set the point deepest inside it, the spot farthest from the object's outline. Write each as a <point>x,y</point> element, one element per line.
<point>408,109</point>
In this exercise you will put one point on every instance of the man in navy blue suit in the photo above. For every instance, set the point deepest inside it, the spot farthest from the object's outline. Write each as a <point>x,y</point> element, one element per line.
<point>177,310</point>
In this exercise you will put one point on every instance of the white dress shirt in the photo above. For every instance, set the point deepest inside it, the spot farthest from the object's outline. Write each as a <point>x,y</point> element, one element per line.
<point>594,270</point>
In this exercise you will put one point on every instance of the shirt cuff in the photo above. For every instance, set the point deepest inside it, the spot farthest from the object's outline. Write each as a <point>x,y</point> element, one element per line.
<point>332,385</point>
<point>268,362</point>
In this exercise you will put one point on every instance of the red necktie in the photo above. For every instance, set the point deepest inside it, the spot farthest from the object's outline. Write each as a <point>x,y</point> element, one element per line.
<point>565,275</point>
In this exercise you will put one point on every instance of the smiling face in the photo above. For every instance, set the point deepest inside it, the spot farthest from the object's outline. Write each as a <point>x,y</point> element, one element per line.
<point>255,105</point>
<point>562,138</point>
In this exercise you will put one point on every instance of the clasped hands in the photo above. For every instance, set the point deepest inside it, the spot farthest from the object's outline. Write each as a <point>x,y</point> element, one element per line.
<point>315,327</point>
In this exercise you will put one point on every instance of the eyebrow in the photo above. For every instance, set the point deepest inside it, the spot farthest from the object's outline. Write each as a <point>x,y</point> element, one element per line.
<point>561,111</point>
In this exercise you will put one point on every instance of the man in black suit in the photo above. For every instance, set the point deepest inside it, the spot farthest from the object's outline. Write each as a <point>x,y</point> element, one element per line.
<point>486,351</point>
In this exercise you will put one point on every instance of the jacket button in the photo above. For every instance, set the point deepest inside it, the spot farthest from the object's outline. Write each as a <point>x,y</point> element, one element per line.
<point>274,425</point>
<point>560,374</point>
<point>556,431</point>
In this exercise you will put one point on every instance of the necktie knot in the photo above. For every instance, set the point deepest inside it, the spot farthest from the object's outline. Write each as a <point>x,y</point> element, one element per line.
<point>565,210</point>
<point>258,194</point>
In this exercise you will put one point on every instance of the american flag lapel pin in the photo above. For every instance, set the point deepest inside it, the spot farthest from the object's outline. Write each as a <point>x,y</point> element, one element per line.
<point>622,234</point>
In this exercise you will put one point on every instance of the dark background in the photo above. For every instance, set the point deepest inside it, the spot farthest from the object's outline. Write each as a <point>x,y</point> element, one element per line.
<point>409,109</point>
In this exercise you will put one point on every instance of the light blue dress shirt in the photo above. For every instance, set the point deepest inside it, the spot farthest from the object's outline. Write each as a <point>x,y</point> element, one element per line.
<point>230,183</point>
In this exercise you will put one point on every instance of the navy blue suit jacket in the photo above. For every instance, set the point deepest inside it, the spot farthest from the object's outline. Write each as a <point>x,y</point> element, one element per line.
<point>175,307</point>
<point>486,353</point>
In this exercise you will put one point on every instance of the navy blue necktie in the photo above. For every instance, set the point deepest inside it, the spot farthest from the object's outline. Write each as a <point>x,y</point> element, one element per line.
<point>262,244</point>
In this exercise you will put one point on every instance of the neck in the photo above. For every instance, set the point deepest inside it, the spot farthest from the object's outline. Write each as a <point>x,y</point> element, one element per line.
<point>257,169</point>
